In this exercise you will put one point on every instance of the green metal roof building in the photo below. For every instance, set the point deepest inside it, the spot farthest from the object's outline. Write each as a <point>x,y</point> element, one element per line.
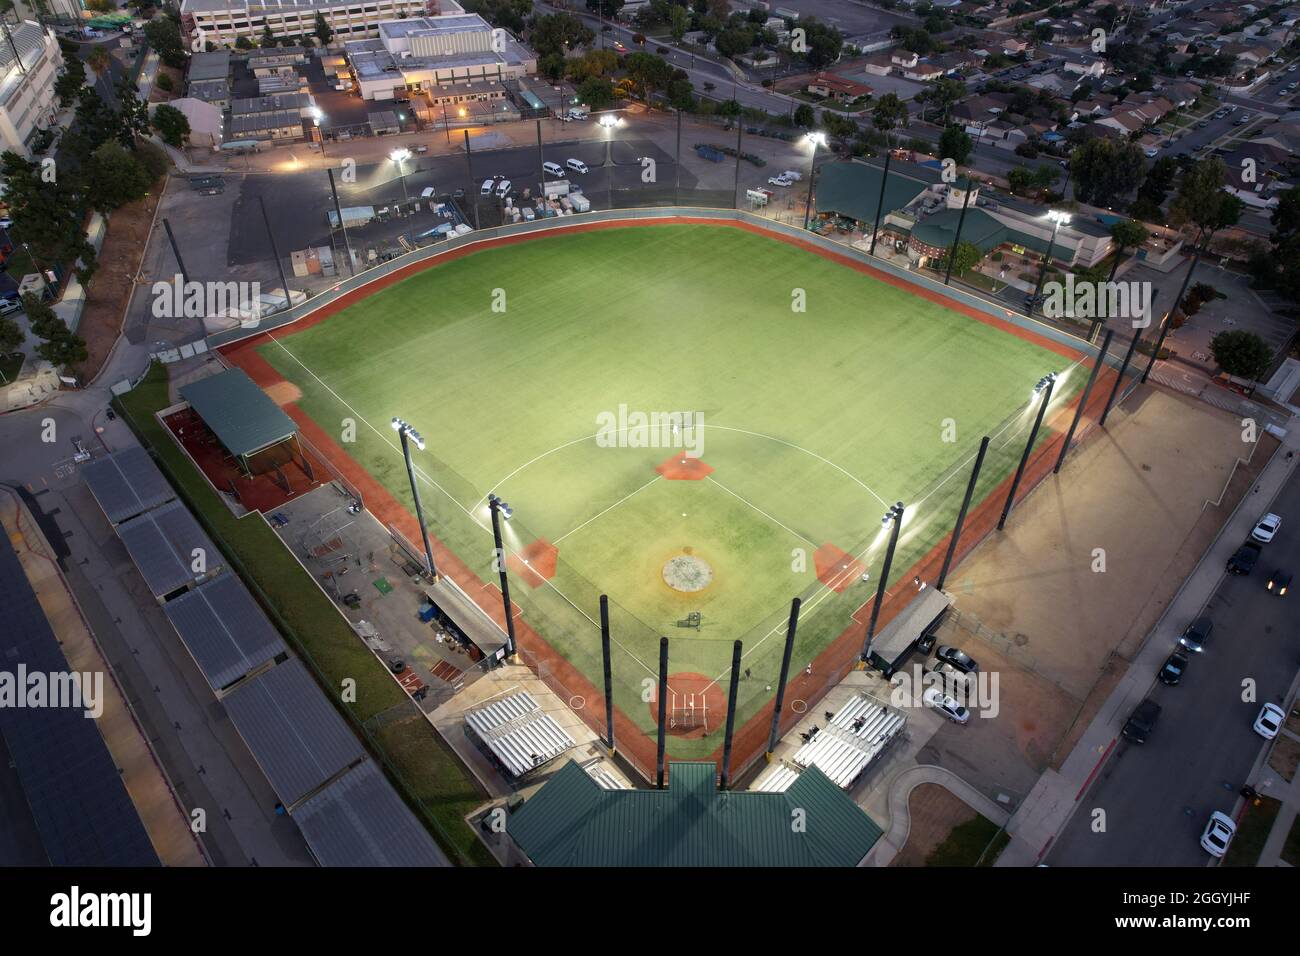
<point>242,416</point>
<point>852,189</point>
<point>572,821</point>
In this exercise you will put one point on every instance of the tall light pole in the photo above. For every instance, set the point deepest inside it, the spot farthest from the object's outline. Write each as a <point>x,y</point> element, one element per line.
<point>1058,220</point>
<point>499,508</point>
<point>318,115</point>
<point>1044,389</point>
<point>818,139</point>
<point>410,435</point>
<point>952,256</point>
<point>893,516</point>
<point>399,156</point>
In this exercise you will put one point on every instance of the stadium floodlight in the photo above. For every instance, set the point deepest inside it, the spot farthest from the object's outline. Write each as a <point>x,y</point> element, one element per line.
<point>1043,389</point>
<point>816,137</point>
<point>818,140</point>
<point>499,508</point>
<point>1058,218</point>
<point>893,515</point>
<point>609,120</point>
<point>411,436</point>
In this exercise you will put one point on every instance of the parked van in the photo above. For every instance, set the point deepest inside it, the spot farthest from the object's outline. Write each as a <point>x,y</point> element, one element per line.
<point>577,165</point>
<point>503,189</point>
<point>552,169</point>
<point>8,306</point>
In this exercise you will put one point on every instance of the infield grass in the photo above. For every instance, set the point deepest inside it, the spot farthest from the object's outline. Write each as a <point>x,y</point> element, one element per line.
<point>814,421</point>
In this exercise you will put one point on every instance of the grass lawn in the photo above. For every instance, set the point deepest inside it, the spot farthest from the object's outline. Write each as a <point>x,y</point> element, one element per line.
<point>1291,849</point>
<point>1252,832</point>
<point>440,785</point>
<point>976,842</point>
<point>10,366</point>
<point>813,421</point>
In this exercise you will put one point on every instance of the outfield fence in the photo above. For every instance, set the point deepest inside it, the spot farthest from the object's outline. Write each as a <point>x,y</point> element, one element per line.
<point>564,601</point>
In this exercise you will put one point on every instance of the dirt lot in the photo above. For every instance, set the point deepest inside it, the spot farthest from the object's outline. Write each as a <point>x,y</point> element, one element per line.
<point>111,285</point>
<point>934,812</point>
<point>1033,604</point>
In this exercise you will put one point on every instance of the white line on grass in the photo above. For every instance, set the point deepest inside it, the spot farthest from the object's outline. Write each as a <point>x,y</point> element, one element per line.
<point>751,504</point>
<point>607,510</point>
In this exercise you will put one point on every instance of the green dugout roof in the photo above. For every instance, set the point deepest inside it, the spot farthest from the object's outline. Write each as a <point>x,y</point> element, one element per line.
<point>980,228</point>
<point>853,189</point>
<point>241,415</point>
<point>572,821</point>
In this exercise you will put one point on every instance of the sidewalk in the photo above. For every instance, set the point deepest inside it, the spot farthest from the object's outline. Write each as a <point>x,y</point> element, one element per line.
<point>1054,798</point>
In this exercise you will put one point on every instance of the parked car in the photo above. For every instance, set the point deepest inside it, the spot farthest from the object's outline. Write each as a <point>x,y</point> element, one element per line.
<point>777,181</point>
<point>1151,152</point>
<point>488,186</point>
<point>10,306</point>
<point>552,169</point>
<point>934,697</point>
<point>958,682</point>
<point>1245,558</point>
<point>1269,721</point>
<point>1279,582</point>
<point>1267,529</point>
<point>1141,722</point>
<point>503,189</point>
<point>577,165</point>
<point>1174,668</point>
<point>420,149</point>
<point>427,192</point>
<point>793,175</point>
<point>1218,834</point>
<point>957,658</point>
<point>1196,634</point>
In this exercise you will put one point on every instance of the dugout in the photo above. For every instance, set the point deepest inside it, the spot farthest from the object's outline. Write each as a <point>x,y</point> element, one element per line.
<point>920,619</point>
<point>252,428</point>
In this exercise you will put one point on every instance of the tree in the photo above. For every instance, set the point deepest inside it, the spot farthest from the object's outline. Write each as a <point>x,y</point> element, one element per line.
<point>101,6</point>
<point>1202,202</point>
<point>890,113</point>
<point>58,345</point>
<point>558,33</point>
<point>98,59</point>
<point>679,21</point>
<point>1126,234</point>
<point>1281,269</point>
<point>649,73</point>
<point>966,257</point>
<point>68,86</point>
<point>596,92</point>
<point>606,8</point>
<point>163,34</point>
<point>824,43</point>
<point>114,177</point>
<point>268,38</point>
<point>1242,354</point>
<point>45,214</point>
<point>165,82</point>
<point>945,92</point>
<point>955,144</point>
<point>1106,171</point>
<point>804,116</point>
<point>12,336</point>
<point>132,118</point>
<point>171,125</point>
<point>323,32</point>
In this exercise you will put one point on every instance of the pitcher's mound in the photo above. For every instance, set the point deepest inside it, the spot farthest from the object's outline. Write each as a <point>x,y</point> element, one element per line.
<point>687,573</point>
<point>682,467</point>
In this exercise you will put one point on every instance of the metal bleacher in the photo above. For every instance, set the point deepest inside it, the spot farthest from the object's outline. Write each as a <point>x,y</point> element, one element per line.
<point>518,733</point>
<point>839,751</point>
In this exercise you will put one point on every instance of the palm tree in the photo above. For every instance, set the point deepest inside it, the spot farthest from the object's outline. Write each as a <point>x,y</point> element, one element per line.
<point>97,59</point>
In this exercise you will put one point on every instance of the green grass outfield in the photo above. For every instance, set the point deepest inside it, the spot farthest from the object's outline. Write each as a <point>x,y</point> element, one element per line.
<point>813,421</point>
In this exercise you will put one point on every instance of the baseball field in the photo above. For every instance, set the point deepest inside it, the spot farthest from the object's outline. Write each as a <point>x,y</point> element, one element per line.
<point>700,421</point>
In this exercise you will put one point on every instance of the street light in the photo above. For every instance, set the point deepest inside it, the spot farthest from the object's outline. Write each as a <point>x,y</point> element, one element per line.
<point>410,435</point>
<point>818,140</point>
<point>318,115</point>
<point>400,156</point>
<point>1058,219</point>
<point>501,510</point>
<point>893,516</point>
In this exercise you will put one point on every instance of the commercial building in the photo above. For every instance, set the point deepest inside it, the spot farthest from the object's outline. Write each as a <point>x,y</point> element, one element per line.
<point>424,52</point>
<point>224,21</point>
<point>30,62</point>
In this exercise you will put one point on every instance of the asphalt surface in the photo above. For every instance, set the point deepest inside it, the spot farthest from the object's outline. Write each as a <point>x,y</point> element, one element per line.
<point>1158,796</point>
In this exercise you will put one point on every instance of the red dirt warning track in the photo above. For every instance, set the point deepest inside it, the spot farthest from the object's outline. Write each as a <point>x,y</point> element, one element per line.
<point>831,664</point>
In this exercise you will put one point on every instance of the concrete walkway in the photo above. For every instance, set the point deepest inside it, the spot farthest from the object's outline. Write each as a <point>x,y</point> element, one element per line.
<point>900,820</point>
<point>1054,798</point>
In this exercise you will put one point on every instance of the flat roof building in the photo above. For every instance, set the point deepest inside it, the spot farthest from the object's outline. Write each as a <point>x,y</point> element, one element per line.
<point>224,21</point>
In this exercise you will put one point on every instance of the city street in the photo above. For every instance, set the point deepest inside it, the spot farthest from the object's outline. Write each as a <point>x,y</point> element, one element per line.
<point>1157,796</point>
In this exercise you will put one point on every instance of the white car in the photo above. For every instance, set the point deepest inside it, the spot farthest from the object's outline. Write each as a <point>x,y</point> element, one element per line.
<point>793,175</point>
<point>1268,527</point>
<point>778,181</point>
<point>577,165</point>
<point>428,192</point>
<point>1269,721</point>
<point>488,186</point>
<point>934,697</point>
<point>1218,834</point>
